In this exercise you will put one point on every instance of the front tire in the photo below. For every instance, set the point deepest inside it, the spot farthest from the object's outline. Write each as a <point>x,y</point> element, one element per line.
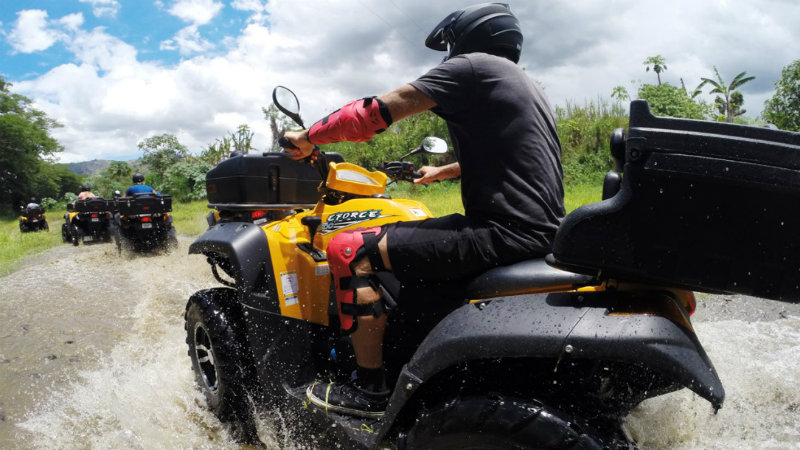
<point>221,357</point>
<point>494,422</point>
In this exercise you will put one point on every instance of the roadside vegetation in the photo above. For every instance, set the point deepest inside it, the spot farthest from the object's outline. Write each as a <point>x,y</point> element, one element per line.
<point>27,152</point>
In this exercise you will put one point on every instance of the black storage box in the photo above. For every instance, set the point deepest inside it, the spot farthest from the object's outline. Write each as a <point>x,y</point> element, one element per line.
<point>707,206</point>
<point>33,212</point>
<point>268,180</point>
<point>91,205</point>
<point>144,204</point>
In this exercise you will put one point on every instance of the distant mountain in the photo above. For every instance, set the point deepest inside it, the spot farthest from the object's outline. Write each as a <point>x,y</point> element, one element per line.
<point>95,166</point>
<point>92,167</point>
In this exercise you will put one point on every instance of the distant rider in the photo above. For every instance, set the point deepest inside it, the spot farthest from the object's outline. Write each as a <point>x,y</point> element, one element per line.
<point>139,187</point>
<point>509,161</point>
<point>33,203</point>
<point>86,192</point>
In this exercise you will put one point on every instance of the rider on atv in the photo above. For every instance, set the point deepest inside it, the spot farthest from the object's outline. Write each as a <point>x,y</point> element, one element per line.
<point>509,160</point>
<point>139,187</point>
<point>86,192</point>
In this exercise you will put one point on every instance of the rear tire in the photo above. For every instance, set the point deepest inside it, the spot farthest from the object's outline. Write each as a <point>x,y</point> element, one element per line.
<point>495,422</point>
<point>221,357</point>
<point>64,233</point>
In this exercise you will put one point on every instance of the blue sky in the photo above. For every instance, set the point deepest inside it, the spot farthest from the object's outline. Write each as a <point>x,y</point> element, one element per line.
<point>115,72</point>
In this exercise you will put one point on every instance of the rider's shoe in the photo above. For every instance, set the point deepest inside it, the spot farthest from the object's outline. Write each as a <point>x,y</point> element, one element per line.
<point>348,398</point>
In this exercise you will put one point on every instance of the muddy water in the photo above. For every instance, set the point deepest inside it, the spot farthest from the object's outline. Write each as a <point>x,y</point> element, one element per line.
<point>92,356</point>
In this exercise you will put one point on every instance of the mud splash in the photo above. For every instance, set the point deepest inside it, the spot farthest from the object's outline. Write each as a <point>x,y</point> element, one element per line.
<point>92,355</point>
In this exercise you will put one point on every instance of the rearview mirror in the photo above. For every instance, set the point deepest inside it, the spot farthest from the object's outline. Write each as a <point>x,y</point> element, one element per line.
<point>433,144</point>
<point>285,100</point>
<point>430,144</point>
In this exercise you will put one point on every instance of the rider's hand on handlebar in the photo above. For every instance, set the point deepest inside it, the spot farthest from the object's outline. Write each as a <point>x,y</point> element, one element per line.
<point>299,140</point>
<point>430,175</point>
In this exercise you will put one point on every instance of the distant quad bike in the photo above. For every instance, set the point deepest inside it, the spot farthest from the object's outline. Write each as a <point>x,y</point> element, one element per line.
<point>32,219</point>
<point>88,221</point>
<point>549,353</point>
<point>144,222</point>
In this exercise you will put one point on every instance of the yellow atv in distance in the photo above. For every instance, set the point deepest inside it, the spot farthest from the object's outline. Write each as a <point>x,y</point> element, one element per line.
<point>89,220</point>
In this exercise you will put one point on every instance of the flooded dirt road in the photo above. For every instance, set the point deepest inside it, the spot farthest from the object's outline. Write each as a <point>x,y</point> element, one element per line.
<point>92,356</point>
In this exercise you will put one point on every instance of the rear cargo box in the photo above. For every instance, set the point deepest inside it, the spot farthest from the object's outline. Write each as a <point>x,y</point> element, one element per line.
<point>703,205</point>
<point>268,180</point>
<point>144,204</point>
<point>33,212</point>
<point>91,205</point>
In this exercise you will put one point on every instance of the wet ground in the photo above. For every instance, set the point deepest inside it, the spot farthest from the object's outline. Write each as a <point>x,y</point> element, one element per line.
<point>92,356</point>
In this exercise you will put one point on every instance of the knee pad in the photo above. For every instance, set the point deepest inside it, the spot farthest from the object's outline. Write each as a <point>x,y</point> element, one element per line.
<point>343,251</point>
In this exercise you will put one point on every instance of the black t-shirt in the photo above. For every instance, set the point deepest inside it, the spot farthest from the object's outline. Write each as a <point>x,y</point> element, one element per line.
<point>504,134</point>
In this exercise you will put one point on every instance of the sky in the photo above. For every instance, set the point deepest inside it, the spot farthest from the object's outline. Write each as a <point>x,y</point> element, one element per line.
<point>115,72</point>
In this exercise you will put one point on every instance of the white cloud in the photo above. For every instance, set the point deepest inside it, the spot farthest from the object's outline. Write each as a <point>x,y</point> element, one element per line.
<point>331,52</point>
<point>101,8</point>
<point>249,5</point>
<point>31,32</point>
<point>187,41</point>
<point>197,12</point>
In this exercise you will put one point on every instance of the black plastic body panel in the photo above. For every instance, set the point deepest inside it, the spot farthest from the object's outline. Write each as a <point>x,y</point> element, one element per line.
<point>705,206</point>
<point>242,247</point>
<point>559,326</point>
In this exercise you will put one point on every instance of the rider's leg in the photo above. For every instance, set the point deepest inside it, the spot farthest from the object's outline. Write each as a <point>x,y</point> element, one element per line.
<point>366,395</point>
<point>367,340</point>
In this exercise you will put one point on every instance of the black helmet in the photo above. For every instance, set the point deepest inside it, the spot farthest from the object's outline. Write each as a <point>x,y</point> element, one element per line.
<point>138,178</point>
<point>487,27</point>
<point>33,200</point>
<point>85,188</point>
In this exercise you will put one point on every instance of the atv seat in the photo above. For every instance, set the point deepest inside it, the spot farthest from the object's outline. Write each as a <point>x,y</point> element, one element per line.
<point>532,275</point>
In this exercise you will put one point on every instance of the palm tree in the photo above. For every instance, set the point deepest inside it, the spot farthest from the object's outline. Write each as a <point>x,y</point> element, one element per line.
<point>697,91</point>
<point>620,94</point>
<point>729,101</point>
<point>658,64</point>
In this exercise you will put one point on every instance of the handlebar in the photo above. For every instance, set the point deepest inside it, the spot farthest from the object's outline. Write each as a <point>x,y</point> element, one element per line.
<point>395,170</point>
<point>400,171</point>
<point>317,158</point>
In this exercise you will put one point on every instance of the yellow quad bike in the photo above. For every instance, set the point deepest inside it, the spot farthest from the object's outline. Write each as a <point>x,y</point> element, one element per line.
<point>88,221</point>
<point>549,353</point>
<point>32,218</point>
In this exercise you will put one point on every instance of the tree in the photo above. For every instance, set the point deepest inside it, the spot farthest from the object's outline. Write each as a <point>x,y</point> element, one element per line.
<point>25,144</point>
<point>658,63</point>
<point>668,100</point>
<point>278,124</point>
<point>161,152</point>
<point>729,101</point>
<point>238,141</point>
<point>783,109</point>
<point>242,139</point>
<point>620,94</point>
<point>186,180</point>
<point>117,177</point>
<point>697,91</point>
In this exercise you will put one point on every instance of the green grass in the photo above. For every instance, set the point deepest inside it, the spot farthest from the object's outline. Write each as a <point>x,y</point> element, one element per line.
<point>581,194</point>
<point>441,198</point>
<point>190,218</point>
<point>17,245</point>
